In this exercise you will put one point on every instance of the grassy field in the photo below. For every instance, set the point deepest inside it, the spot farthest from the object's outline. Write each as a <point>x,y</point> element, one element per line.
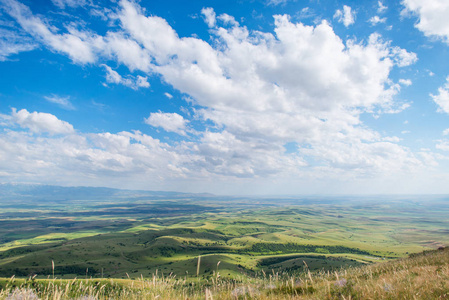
<point>136,235</point>
<point>422,276</point>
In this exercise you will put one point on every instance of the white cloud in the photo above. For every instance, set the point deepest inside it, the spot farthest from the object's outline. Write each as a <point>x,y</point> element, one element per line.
<point>381,8</point>
<point>13,43</point>
<point>446,131</point>
<point>260,90</point>
<point>432,16</point>
<point>376,20</point>
<point>8,49</point>
<point>209,16</point>
<point>366,158</point>
<point>124,159</point>
<point>225,154</point>
<point>82,46</point>
<point>141,82</point>
<point>228,20</point>
<point>442,145</point>
<point>396,109</point>
<point>112,76</point>
<point>168,95</point>
<point>64,102</point>
<point>345,16</point>
<point>130,81</point>
<point>306,13</point>
<point>442,99</point>
<point>102,13</point>
<point>404,58</point>
<point>70,3</point>
<point>391,139</point>
<point>75,44</point>
<point>279,2</point>
<point>171,122</point>
<point>406,82</point>
<point>38,122</point>
<point>301,85</point>
<point>116,45</point>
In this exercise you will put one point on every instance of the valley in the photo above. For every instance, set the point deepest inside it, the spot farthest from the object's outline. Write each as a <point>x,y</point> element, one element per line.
<point>134,234</point>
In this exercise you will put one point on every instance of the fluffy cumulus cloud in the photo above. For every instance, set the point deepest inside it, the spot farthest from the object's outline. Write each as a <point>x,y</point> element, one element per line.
<point>432,16</point>
<point>442,98</point>
<point>345,16</point>
<point>376,20</point>
<point>122,159</point>
<point>406,82</point>
<point>209,16</point>
<point>63,153</point>
<point>225,154</point>
<point>171,122</point>
<point>38,122</point>
<point>260,91</point>
<point>402,57</point>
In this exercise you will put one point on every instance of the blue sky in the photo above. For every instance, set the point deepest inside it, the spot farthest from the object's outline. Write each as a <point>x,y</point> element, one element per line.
<point>228,97</point>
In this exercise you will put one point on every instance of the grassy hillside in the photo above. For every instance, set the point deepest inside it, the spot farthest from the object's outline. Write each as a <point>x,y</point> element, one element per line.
<point>172,251</point>
<point>135,237</point>
<point>421,276</point>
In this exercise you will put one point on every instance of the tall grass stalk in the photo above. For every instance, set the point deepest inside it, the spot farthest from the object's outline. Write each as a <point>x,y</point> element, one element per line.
<point>198,266</point>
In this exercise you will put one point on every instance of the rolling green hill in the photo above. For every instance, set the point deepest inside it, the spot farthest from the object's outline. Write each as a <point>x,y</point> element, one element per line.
<point>421,276</point>
<point>116,234</point>
<point>140,245</point>
<point>169,251</point>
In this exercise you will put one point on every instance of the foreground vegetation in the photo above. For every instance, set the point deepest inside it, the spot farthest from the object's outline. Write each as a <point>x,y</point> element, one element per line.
<point>421,276</point>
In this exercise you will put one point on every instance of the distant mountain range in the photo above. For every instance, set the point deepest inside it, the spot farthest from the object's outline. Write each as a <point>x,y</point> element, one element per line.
<point>12,191</point>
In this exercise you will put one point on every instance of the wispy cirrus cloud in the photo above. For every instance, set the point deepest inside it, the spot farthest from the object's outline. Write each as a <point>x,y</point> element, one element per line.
<point>278,2</point>
<point>381,8</point>
<point>13,42</point>
<point>171,122</point>
<point>73,43</point>
<point>63,102</point>
<point>62,4</point>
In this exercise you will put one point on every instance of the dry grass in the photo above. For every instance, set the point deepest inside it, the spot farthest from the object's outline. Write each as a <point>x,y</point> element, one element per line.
<point>424,276</point>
